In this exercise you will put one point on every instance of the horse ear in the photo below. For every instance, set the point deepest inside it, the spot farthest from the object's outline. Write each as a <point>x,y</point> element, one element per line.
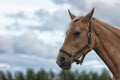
<point>72,16</point>
<point>88,16</point>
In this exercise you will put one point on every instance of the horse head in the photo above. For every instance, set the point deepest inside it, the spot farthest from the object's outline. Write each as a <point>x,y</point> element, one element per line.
<point>78,41</point>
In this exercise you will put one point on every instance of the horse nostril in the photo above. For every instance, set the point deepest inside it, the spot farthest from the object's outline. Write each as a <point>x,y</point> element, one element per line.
<point>62,60</point>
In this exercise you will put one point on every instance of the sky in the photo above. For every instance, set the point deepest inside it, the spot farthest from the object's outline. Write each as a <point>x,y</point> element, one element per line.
<point>32,32</point>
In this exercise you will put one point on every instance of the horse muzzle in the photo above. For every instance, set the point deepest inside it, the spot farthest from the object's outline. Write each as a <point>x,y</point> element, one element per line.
<point>64,63</point>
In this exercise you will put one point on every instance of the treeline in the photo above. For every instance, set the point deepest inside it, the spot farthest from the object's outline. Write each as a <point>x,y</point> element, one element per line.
<point>63,75</point>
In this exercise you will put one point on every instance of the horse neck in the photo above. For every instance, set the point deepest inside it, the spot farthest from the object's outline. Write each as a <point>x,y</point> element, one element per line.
<point>107,45</point>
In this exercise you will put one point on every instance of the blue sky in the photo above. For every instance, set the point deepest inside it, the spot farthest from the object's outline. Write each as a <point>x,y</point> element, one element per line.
<point>32,31</point>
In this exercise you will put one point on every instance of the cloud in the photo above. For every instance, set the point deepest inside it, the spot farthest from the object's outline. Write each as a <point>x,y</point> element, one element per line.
<point>18,15</point>
<point>22,22</point>
<point>106,14</point>
<point>4,66</point>
<point>6,44</point>
<point>21,62</point>
<point>13,26</point>
<point>57,21</point>
<point>103,12</point>
<point>42,20</point>
<point>27,43</point>
<point>73,3</point>
<point>41,14</point>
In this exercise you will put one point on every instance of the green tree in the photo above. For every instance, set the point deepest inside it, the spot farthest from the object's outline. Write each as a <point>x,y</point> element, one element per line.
<point>105,75</point>
<point>67,75</point>
<point>2,76</point>
<point>94,76</point>
<point>42,75</point>
<point>63,75</point>
<point>30,75</point>
<point>51,75</point>
<point>77,74</point>
<point>83,76</point>
<point>19,76</point>
<point>9,76</point>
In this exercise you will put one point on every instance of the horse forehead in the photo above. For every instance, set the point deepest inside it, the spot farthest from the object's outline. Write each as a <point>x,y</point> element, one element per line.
<point>74,20</point>
<point>79,17</point>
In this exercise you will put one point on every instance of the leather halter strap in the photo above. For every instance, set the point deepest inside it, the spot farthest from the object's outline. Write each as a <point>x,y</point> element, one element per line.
<point>82,49</point>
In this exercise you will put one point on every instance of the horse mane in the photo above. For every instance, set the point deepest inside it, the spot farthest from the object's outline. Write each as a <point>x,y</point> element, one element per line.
<point>114,30</point>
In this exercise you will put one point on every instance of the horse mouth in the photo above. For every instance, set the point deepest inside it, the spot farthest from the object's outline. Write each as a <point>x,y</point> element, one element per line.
<point>64,63</point>
<point>66,67</point>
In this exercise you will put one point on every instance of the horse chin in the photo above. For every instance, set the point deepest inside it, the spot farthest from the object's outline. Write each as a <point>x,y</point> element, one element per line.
<point>66,67</point>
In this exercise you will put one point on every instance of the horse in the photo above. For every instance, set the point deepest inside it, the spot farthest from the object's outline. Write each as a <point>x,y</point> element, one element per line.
<point>86,33</point>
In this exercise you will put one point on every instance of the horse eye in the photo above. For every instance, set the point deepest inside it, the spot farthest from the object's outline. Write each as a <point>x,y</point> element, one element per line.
<point>76,20</point>
<point>77,33</point>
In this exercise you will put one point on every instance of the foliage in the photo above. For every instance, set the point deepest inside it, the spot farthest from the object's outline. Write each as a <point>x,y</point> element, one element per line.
<point>63,75</point>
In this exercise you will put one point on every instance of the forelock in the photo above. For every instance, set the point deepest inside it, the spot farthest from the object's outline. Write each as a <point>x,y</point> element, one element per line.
<point>72,21</point>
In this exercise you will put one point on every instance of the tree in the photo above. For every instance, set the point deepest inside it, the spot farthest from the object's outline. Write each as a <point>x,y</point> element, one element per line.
<point>42,75</point>
<point>19,76</point>
<point>51,75</point>
<point>2,76</point>
<point>94,76</point>
<point>30,75</point>
<point>9,76</point>
<point>105,75</point>
<point>84,76</point>
<point>63,75</point>
<point>67,75</point>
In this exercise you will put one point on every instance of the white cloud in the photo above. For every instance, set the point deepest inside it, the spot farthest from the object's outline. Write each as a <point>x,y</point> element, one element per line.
<point>22,62</point>
<point>29,43</point>
<point>26,5</point>
<point>51,38</point>
<point>109,2</point>
<point>96,64</point>
<point>6,44</point>
<point>4,66</point>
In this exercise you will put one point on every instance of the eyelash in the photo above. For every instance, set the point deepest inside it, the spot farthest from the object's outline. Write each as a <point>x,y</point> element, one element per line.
<point>77,33</point>
<point>76,20</point>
